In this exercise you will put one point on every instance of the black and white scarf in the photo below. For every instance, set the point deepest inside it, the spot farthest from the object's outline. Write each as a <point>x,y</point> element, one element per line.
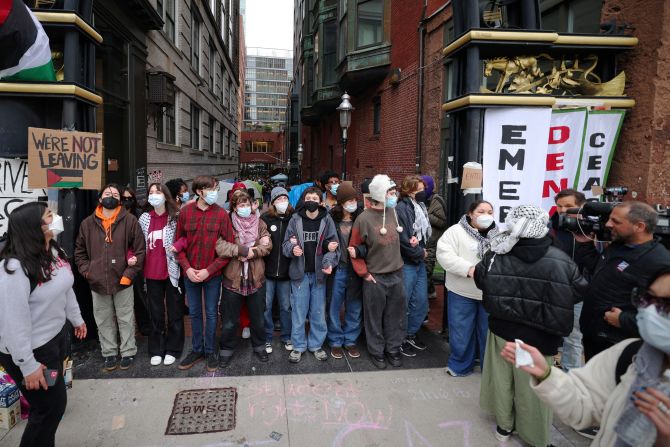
<point>483,241</point>
<point>523,222</point>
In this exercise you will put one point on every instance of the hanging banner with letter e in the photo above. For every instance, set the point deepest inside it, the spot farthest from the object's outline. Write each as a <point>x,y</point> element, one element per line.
<point>602,133</point>
<point>515,154</point>
<point>566,133</point>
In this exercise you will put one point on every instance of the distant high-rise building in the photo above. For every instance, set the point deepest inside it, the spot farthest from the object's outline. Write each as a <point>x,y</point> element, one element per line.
<point>267,81</point>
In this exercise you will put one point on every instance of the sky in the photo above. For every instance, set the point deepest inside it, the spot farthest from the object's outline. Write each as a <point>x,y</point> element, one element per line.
<point>269,24</point>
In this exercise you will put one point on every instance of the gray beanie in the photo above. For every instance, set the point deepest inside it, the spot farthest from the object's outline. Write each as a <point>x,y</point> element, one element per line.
<point>277,191</point>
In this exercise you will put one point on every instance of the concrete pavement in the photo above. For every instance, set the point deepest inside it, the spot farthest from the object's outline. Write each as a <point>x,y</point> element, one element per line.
<point>419,407</point>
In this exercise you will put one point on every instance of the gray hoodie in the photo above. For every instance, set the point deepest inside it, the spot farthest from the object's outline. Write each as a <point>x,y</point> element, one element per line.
<point>322,258</point>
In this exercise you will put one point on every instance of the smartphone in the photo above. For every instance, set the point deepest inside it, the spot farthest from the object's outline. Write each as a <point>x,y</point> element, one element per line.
<point>50,375</point>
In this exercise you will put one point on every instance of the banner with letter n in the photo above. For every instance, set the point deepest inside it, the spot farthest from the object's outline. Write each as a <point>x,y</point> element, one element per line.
<point>602,133</point>
<point>62,159</point>
<point>514,157</point>
<point>566,133</point>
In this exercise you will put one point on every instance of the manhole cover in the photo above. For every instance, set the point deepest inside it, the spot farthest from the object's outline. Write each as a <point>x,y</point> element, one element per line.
<point>203,411</point>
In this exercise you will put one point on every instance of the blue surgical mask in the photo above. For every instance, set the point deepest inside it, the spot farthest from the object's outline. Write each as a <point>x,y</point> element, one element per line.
<point>334,188</point>
<point>211,197</point>
<point>654,328</point>
<point>351,208</point>
<point>391,202</point>
<point>244,211</point>
<point>156,200</point>
<point>185,196</point>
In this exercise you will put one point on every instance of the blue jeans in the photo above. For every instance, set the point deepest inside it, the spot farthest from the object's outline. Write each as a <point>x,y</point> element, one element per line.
<point>468,326</point>
<point>281,289</point>
<point>212,292</point>
<point>416,291</point>
<point>572,344</point>
<point>338,335</point>
<point>308,297</point>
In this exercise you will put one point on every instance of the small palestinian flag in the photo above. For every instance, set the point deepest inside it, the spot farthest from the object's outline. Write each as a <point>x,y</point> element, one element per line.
<point>24,46</point>
<point>65,178</point>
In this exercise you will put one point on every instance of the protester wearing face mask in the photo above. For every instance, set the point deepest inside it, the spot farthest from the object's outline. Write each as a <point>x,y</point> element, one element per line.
<point>101,255</point>
<point>129,201</point>
<point>243,278</point>
<point>33,315</point>
<point>162,272</point>
<point>277,281</point>
<point>459,249</point>
<point>619,389</point>
<point>347,289</point>
<point>202,223</point>
<point>331,182</point>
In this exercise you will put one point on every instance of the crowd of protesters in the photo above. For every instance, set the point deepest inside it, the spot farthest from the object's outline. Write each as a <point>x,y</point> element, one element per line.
<point>338,264</point>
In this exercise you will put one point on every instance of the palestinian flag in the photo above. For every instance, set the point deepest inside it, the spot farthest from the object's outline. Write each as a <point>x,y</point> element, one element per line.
<point>24,46</point>
<point>65,178</point>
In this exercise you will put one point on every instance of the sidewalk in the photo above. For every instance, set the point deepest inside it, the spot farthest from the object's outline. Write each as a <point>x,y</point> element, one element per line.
<point>420,407</point>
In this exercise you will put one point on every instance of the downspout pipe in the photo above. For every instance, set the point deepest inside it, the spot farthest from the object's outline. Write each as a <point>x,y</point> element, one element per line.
<point>419,121</point>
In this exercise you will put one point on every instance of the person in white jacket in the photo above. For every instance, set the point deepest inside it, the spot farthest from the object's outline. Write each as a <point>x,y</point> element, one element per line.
<point>459,249</point>
<point>601,393</point>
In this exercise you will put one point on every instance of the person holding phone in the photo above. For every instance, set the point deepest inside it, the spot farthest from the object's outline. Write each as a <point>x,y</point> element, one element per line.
<point>33,330</point>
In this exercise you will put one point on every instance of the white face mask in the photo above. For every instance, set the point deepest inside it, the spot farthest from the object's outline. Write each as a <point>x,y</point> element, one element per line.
<point>56,225</point>
<point>654,328</point>
<point>156,200</point>
<point>351,208</point>
<point>281,207</point>
<point>484,221</point>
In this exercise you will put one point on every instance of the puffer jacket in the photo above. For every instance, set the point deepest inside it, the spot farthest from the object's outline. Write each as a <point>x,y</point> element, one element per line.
<point>276,264</point>
<point>535,285</point>
<point>232,273</point>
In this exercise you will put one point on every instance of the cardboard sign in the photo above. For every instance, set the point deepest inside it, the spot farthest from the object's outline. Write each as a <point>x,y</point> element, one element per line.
<point>61,159</point>
<point>14,190</point>
<point>472,178</point>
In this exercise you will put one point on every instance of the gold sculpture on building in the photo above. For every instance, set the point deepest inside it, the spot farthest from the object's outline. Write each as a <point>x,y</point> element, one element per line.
<point>543,74</point>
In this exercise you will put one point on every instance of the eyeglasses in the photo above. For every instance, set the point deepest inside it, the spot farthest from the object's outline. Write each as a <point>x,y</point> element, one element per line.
<point>641,298</point>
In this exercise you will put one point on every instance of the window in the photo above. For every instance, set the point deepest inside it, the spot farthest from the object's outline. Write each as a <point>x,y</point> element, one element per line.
<point>571,16</point>
<point>370,22</point>
<point>166,9</point>
<point>230,29</point>
<point>231,143</point>
<point>195,127</point>
<point>212,65</point>
<point>377,115</point>
<point>231,101</point>
<point>343,42</point>
<point>329,53</point>
<point>165,127</point>
<point>258,146</point>
<point>211,134</point>
<point>227,144</point>
<point>195,39</point>
<point>222,132</point>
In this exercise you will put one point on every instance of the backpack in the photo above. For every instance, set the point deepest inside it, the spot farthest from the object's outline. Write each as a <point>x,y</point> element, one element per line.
<point>625,359</point>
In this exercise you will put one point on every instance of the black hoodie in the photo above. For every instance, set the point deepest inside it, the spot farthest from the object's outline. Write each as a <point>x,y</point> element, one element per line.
<point>310,235</point>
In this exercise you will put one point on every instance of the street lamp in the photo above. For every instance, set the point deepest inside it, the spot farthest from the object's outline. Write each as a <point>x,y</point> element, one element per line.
<point>301,152</point>
<point>345,108</point>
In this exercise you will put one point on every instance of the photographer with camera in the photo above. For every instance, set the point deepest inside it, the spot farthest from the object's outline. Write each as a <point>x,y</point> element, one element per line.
<point>633,259</point>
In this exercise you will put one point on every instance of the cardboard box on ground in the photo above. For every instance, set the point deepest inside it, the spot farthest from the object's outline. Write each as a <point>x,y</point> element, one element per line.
<point>10,408</point>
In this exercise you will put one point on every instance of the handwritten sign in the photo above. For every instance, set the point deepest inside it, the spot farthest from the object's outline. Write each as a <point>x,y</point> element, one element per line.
<point>14,190</point>
<point>61,159</point>
<point>472,177</point>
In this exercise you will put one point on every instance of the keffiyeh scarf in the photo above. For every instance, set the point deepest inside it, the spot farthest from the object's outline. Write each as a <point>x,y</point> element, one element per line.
<point>523,222</point>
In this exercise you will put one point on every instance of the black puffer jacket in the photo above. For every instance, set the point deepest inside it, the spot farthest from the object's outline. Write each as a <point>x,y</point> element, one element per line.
<point>530,292</point>
<point>276,264</point>
<point>406,218</point>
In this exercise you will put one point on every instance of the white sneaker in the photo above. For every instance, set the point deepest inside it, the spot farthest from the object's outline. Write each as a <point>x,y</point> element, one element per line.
<point>268,348</point>
<point>169,360</point>
<point>156,360</point>
<point>246,333</point>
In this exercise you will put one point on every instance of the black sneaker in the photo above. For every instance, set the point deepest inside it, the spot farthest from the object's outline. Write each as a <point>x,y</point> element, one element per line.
<point>407,350</point>
<point>416,343</point>
<point>225,360</point>
<point>191,359</point>
<point>379,362</point>
<point>111,363</point>
<point>262,355</point>
<point>126,362</point>
<point>502,435</point>
<point>394,359</point>
<point>590,432</point>
<point>212,362</point>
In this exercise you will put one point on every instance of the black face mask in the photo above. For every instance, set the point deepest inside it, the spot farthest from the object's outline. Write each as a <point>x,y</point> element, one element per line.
<point>420,197</point>
<point>110,203</point>
<point>128,203</point>
<point>311,206</point>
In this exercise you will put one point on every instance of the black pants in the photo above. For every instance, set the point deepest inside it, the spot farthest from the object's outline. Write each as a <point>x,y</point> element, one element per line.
<point>46,406</point>
<point>594,345</point>
<point>385,310</point>
<point>164,298</point>
<point>140,305</point>
<point>229,308</point>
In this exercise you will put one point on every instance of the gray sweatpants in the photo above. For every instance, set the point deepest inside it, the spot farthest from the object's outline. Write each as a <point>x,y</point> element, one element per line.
<point>115,317</point>
<point>384,311</point>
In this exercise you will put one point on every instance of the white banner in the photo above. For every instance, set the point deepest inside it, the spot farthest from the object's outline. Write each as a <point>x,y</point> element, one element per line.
<point>515,154</point>
<point>14,188</point>
<point>566,134</point>
<point>602,133</point>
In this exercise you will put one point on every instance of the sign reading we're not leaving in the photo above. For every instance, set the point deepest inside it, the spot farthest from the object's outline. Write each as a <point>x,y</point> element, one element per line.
<point>62,159</point>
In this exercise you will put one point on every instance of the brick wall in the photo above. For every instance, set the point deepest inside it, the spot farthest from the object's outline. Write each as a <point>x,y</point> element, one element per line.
<point>642,160</point>
<point>277,139</point>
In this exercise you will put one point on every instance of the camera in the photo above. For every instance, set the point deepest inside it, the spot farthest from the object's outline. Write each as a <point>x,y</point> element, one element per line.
<point>594,216</point>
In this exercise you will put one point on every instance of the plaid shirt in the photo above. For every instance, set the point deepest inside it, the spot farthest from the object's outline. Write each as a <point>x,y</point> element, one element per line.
<point>202,229</point>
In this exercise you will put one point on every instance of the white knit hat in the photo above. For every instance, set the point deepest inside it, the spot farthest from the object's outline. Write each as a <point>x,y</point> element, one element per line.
<point>379,186</point>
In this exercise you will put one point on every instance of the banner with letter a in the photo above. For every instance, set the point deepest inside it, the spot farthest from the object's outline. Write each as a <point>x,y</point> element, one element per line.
<point>514,157</point>
<point>566,133</point>
<point>602,133</point>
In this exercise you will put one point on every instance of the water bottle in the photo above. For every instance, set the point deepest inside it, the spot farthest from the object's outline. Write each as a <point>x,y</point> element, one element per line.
<point>636,428</point>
